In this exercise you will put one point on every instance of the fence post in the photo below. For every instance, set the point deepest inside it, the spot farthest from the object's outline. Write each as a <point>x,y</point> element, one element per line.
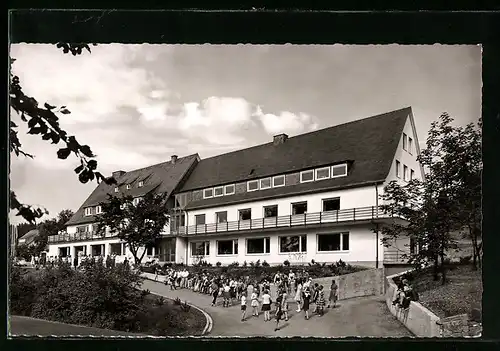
<point>320,217</point>
<point>354,214</point>
<point>372,211</point>
<point>290,223</point>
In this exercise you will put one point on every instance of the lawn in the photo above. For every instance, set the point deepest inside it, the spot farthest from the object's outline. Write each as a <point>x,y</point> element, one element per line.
<point>462,292</point>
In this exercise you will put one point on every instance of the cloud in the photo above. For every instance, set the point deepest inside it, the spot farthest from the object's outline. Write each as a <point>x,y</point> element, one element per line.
<point>286,122</point>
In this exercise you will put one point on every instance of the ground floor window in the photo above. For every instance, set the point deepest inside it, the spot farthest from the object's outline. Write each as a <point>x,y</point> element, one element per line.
<point>116,249</point>
<point>413,246</point>
<point>333,242</point>
<point>200,248</point>
<point>97,250</point>
<point>258,245</point>
<point>297,243</point>
<point>80,251</point>
<point>64,251</point>
<point>227,247</point>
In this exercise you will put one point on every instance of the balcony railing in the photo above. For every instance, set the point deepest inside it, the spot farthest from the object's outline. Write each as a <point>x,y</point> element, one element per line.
<point>68,237</point>
<point>327,217</point>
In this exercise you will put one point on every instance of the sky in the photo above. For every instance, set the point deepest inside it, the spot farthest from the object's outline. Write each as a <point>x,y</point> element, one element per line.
<point>136,105</point>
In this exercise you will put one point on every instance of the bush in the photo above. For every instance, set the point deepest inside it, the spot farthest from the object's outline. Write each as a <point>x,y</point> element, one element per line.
<point>234,264</point>
<point>286,263</point>
<point>465,260</point>
<point>218,264</point>
<point>265,264</point>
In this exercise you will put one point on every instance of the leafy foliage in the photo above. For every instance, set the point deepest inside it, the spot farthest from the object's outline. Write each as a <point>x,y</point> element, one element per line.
<point>448,199</point>
<point>139,225</point>
<point>44,122</point>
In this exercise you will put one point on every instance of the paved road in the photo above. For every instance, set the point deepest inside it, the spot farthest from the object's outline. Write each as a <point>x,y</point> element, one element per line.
<point>38,327</point>
<point>363,317</point>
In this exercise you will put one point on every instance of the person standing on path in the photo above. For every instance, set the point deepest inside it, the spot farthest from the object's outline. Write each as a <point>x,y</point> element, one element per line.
<point>320,302</point>
<point>215,293</point>
<point>254,303</point>
<point>266,305</point>
<point>333,294</point>
<point>284,304</point>
<point>243,306</point>
<point>305,305</point>
<point>279,311</point>
<point>298,294</point>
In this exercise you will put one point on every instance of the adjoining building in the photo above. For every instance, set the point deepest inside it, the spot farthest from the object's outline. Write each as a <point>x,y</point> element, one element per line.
<point>81,238</point>
<point>314,196</point>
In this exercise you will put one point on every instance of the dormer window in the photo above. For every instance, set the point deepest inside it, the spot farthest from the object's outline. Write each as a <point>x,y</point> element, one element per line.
<point>117,189</point>
<point>98,210</point>
<point>339,170</point>
<point>141,184</point>
<point>265,183</point>
<point>128,186</point>
<point>253,185</point>
<point>208,193</point>
<point>307,176</point>
<point>278,181</point>
<point>229,189</point>
<point>88,211</point>
<point>218,191</point>
<point>322,173</point>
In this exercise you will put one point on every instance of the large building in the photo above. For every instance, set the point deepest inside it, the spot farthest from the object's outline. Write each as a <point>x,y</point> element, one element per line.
<point>315,196</point>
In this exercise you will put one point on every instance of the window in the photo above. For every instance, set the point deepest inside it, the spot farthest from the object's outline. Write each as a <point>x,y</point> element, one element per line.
<point>245,214</point>
<point>278,181</point>
<point>405,173</point>
<point>333,242</point>
<point>413,245</point>
<point>128,186</point>
<point>412,174</point>
<point>299,208</point>
<point>82,229</point>
<point>331,204</point>
<point>410,145</point>
<point>307,176</point>
<point>398,169</point>
<point>200,248</point>
<point>405,146</point>
<point>218,191</point>
<point>149,250</point>
<point>271,211</point>
<point>141,183</point>
<point>199,219</point>
<point>115,249</point>
<point>221,217</point>
<point>253,185</point>
<point>339,170</point>
<point>258,246</point>
<point>117,189</point>
<point>98,210</point>
<point>227,247</point>
<point>88,211</point>
<point>265,183</point>
<point>93,228</point>
<point>208,193</point>
<point>136,201</point>
<point>323,173</point>
<point>229,189</point>
<point>293,243</point>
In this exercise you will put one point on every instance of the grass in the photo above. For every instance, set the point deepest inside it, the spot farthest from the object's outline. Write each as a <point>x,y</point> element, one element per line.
<point>461,294</point>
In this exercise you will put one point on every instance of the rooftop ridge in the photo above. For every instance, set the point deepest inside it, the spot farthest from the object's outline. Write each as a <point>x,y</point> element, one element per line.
<point>160,163</point>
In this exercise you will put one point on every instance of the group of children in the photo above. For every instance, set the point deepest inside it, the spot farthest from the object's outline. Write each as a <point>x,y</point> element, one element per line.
<point>404,295</point>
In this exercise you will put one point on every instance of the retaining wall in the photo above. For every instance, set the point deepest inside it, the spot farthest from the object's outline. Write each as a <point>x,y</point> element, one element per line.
<point>364,283</point>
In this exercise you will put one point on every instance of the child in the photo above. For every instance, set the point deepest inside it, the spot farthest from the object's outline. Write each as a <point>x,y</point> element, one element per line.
<point>315,294</point>
<point>333,294</point>
<point>320,302</point>
<point>279,311</point>
<point>284,304</point>
<point>254,303</point>
<point>215,293</point>
<point>307,299</point>
<point>298,294</point>
<point>266,305</point>
<point>243,306</point>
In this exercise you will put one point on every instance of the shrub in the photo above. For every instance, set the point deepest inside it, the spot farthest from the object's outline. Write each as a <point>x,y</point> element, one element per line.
<point>265,264</point>
<point>257,264</point>
<point>286,263</point>
<point>465,260</point>
<point>234,264</point>
<point>245,264</point>
<point>218,264</point>
<point>177,301</point>
<point>185,307</point>
<point>160,301</point>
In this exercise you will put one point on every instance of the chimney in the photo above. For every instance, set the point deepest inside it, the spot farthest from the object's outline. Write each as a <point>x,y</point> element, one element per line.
<point>118,174</point>
<point>173,159</point>
<point>279,139</point>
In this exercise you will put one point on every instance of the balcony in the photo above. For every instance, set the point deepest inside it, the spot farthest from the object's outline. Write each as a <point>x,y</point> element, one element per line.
<point>72,237</point>
<point>359,214</point>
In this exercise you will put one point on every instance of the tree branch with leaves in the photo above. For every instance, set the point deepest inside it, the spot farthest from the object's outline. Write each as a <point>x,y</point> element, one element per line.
<point>44,121</point>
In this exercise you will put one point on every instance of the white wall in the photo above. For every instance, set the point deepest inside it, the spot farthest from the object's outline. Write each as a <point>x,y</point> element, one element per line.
<point>180,250</point>
<point>405,158</point>
<point>362,247</point>
<point>349,198</point>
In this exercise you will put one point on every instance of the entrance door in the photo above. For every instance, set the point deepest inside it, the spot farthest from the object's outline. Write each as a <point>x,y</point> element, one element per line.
<point>167,250</point>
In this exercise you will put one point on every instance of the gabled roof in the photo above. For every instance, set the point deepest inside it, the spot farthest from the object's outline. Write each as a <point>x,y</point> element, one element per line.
<point>29,237</point>
<point>162,178</point>
<point>370,143</point>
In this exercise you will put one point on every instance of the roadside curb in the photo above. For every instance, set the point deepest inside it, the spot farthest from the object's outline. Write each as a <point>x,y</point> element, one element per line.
<point>210,322</point>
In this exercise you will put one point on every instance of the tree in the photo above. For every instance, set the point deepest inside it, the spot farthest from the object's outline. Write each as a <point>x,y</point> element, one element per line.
<point>438,206</point>
<point>139,225</point>
<point>50,227</point>
<point>44,122</point>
